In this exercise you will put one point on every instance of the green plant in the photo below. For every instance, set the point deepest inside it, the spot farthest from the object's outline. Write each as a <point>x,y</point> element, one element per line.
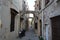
<point>41,38</point>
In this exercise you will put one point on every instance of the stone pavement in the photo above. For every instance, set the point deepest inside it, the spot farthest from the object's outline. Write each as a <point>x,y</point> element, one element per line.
<point>29,35</point>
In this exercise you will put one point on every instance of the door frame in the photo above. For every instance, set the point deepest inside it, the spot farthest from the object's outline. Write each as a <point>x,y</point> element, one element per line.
<point>51,26</point>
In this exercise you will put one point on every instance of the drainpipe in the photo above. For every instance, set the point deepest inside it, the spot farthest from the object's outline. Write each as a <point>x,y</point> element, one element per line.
<point>42,7</point>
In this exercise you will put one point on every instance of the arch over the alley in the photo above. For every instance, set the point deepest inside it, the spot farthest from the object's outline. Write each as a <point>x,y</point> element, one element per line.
<point>35,18</point>
<point>28,12</point>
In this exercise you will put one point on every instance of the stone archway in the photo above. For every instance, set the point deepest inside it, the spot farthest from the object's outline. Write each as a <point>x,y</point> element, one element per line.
<point>36,18</point>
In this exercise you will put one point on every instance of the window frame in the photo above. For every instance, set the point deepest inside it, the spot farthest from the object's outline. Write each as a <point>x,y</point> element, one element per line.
<point>58,1</point>
<point>47,2</point>
<point>36,26</point>
<point>39,5</point>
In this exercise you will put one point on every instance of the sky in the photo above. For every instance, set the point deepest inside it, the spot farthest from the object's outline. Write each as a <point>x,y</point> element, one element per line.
<point>30,15</point>
<point>31,4</point>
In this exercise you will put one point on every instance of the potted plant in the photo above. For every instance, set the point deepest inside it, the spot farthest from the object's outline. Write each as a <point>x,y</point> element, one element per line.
<point>41,38</point>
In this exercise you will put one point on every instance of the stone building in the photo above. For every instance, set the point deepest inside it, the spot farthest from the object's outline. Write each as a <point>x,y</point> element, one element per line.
<point>10,18</point>
<point>51,21</point>
<point>24,16</point>
<point>37,18</point>
<point>50,16</point>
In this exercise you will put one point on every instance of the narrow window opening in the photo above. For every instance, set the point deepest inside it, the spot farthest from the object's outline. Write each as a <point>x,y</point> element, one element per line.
<point>46,2</point>
<point>58,1</point>
<point>35,25</point>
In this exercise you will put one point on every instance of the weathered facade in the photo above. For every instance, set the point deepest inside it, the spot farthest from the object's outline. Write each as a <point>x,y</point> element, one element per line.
<point>51,14</point>
<point>10,18</point>
<point>37,18</point>
<point>49,19</point>
<point>5,19</point>
<point>23,17</point>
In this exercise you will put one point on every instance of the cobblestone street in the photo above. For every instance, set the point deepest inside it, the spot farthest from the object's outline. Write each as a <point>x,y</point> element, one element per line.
<point>30,35</point>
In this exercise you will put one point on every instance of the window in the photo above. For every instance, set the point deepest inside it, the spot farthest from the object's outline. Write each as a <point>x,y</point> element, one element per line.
<point>21,19</point>
<point>24,2</point>
<point>46,2</point>
<point>35,1</point>
<point>58,1</point>
<point>40,28</point>
<point>37,5</point>
<point>35,25</point>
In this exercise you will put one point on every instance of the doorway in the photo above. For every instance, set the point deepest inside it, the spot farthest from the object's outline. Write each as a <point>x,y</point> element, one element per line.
<point>40,28</point>
<point>36,26</point>
<point>13,14</point>
<point>55,23</point>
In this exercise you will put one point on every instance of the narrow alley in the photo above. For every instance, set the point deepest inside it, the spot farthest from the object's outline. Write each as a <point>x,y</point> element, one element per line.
<point>29,35</point>
<point>29,19</point>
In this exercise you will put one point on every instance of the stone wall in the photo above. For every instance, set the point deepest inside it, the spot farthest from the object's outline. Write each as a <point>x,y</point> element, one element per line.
<point>51,11</point>
<point>5,18</point>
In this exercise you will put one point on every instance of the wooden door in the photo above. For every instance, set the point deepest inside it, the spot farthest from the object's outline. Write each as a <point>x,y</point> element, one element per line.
<point>55,21</point>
